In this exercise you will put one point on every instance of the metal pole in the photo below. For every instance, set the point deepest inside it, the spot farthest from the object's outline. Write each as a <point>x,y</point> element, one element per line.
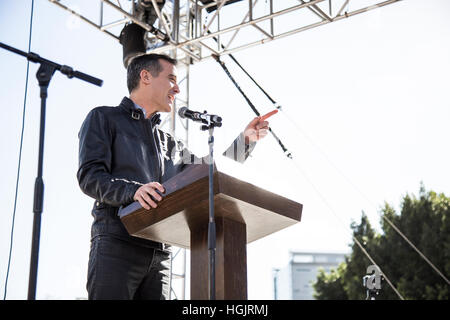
<point>212,224</point>
<point>175,29</point>
<point>44,75</point>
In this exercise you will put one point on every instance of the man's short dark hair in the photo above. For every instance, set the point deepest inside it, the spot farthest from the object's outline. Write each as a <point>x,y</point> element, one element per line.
<point>149,62</point>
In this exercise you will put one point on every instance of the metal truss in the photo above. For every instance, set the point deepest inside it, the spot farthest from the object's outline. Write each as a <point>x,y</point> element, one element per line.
<point>196,32</point>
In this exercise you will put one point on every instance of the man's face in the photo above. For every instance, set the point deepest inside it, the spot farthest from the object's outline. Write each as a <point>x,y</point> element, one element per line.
<point>163,88</point>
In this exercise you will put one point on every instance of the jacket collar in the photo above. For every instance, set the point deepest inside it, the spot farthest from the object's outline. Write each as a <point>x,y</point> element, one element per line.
<point>128,105</point>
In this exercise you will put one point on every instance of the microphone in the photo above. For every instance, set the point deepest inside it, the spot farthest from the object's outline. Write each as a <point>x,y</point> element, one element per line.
<point>184,112</point>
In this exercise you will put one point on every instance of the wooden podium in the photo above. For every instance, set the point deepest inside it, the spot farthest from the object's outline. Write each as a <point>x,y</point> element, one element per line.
<point>243,213</point>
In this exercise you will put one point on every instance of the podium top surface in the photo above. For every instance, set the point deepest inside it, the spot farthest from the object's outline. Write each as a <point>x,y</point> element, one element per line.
<point>185,208</point>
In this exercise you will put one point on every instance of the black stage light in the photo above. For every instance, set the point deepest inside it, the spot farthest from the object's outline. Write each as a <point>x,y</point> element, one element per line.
<point>145,11</point>
<point>133,36</point>
<point>133,42</point>
<point>213,8</point>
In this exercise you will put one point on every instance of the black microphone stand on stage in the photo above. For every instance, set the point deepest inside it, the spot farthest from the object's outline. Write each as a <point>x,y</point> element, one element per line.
<point>210,124</point>
<point>209,121</point>
<point>44,75</point>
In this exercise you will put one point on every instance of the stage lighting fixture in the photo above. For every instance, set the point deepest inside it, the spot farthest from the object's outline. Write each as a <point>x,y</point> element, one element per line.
<point>144,10</point>
<point>213,8</point>
<point>133,43</point>
<point>133,36</point>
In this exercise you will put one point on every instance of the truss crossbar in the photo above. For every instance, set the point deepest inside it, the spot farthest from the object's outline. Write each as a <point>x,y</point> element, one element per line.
<point>196,28</point>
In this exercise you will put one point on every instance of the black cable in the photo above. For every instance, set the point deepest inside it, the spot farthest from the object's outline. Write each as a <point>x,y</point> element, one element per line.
<point>254,81</point>
<point>20,153</point>
<point>251,78</point>
<point>222,64</point>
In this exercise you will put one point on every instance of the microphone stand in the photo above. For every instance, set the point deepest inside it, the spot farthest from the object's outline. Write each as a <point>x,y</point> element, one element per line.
<point>209,125</point>
<point>44,75</point>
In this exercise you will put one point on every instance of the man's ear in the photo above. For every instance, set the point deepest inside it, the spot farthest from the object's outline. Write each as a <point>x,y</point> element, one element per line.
<point>145,76</point>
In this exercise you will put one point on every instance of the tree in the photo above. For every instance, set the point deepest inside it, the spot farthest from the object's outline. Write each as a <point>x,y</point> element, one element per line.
<point>425,221</point>
<point>331,284</point>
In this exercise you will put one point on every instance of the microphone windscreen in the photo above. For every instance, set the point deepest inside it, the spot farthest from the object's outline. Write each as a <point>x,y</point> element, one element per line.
<point>182,111</point>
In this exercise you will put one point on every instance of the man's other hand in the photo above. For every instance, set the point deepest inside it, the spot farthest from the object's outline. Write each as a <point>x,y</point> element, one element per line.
<point>144,192</point>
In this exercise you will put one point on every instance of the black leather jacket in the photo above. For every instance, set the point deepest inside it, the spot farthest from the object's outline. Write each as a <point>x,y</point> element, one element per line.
<point>119,151</point>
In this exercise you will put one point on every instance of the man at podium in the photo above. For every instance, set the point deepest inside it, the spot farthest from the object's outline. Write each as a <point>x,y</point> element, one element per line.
<point>125,157</point>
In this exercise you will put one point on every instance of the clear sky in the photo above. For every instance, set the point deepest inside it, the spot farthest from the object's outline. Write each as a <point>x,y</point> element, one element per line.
<point>366,110</point>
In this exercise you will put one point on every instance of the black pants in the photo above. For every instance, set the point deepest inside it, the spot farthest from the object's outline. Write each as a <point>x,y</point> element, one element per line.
<point>119,270</point>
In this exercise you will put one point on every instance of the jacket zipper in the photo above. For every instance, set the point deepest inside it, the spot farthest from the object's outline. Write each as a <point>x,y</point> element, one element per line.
<point>151,136</point>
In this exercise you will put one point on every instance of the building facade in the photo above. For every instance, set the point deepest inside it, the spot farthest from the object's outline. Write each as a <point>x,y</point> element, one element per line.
<point>294,282</point>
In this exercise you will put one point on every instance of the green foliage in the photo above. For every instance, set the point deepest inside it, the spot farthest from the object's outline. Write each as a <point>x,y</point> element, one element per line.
<point>425,221</point>
<point>331,284</point>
